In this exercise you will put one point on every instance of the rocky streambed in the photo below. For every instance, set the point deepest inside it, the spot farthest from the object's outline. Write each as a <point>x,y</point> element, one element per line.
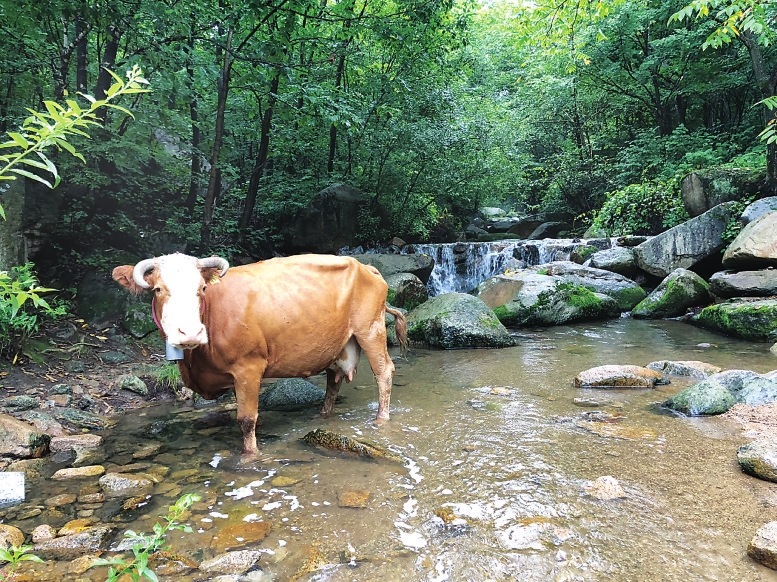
<point>507,469</point>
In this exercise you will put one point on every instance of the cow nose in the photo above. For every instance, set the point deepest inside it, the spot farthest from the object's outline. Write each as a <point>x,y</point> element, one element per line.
<point>191,337</point>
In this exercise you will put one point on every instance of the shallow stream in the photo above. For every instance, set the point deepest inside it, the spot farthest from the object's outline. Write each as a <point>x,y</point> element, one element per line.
<point>494,439</point>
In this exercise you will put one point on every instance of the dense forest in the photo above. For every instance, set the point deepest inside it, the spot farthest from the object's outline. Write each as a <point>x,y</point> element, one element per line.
<point>432,109</point>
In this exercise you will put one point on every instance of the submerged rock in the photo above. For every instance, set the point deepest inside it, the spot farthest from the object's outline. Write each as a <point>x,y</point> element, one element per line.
<point>763,547</point>
<point>605,488</point>
<point>613,376</point>
<point>231,562</point>
<point>72,546</point>
<point>690,368</point>
<point>759,458</point>
<point>338,442</point>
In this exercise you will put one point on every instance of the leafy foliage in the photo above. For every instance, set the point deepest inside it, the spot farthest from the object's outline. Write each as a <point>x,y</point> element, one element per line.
<point>22,309</point>
<point>646,208</point>
<point>145,544</point>
<point>15,555</point>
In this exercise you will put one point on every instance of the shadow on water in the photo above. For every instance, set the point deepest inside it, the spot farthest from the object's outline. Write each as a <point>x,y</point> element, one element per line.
<point>494,486</point>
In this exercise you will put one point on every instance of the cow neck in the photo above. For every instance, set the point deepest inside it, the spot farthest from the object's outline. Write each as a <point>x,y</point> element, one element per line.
<point>156,319</point>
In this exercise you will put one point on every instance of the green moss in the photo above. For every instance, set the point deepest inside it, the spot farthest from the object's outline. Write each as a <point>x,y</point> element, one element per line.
<point>755,320</point>
<point>504,315</point>
<point>629,297</point>
<point>391,296</point>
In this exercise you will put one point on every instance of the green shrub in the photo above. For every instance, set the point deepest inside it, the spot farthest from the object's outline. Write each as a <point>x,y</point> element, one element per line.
<point>22,309</point>
<point>647,208</point>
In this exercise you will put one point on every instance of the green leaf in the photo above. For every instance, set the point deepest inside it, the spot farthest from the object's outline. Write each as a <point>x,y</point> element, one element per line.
<point>31,176</point>
<point>19,140</point>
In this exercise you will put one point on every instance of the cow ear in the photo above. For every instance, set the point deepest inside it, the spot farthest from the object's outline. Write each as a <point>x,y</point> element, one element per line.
<point>211,275</point>
<point>123,276</point>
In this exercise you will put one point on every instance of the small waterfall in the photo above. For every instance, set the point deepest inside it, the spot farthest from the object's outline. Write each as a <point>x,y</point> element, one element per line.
<point>460,267</point>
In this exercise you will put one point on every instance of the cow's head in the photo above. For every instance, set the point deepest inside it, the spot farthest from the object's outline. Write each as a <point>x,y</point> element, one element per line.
<point>178,282</point>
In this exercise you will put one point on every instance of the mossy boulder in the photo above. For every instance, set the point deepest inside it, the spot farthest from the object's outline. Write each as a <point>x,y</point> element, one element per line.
<point>706,398</point>
<point>751,320</point>
<point>456,320</point>
<point>626,292</point>
<point>536,299</point>
<point>406,290</point>
<point>680,290</point>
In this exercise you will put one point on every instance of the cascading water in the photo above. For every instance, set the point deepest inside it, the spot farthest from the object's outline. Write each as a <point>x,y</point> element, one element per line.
<point>460,267</point>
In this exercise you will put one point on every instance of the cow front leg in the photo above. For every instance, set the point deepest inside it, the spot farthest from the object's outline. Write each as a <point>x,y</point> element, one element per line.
<point>333,384</point>
<point>247,396</point>
<point>384,395</point>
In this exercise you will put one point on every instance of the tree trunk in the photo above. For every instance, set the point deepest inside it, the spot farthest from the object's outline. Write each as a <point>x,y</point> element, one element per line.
<point>214,178</point>
<point>196,164</point>
<point>108,62</point>
<point>261,157</point>
<point>767,84</point>
<point>81,32</point>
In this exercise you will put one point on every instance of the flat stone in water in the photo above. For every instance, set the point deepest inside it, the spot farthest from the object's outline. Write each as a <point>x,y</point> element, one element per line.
<point>357,498</point>
<point>58,500</point>
<point>68,442</point>
<point>617,431</point>
<point>759,458</point>
<point>612,376</point>
<point>78,472</point>
<point>240,534</point>
<point>231,562</point>
<point>121,483</point>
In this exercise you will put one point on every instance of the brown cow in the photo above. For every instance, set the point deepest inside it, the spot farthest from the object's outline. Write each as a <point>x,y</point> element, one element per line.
<point>282,318</point>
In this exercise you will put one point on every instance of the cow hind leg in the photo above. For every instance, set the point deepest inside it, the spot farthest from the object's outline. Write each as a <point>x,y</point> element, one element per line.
<point>333,382</point>
<point>383,369</point>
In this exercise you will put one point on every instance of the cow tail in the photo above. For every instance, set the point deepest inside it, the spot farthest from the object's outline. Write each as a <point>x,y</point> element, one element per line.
<point>400,325</point>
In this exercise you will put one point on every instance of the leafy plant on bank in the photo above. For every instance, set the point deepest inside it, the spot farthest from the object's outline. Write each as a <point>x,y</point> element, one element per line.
<point>15,555</point>
<point>646,208</point>
<point>145,544</point>
<point>41,131</point>
<point>22,309</point>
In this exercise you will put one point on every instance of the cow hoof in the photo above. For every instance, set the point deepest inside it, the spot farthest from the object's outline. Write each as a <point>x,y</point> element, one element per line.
<point>253,457</point>
<point>379,420</point>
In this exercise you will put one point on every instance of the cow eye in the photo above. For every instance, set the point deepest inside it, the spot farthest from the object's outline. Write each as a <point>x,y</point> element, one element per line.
<point>157,289</point>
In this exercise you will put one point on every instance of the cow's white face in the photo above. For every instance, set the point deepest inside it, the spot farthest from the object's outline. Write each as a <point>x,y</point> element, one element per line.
<point>178,289</point>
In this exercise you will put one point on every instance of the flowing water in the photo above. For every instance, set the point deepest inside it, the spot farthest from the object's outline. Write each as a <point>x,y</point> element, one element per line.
<point>460,267</point>
<point>490,436</point>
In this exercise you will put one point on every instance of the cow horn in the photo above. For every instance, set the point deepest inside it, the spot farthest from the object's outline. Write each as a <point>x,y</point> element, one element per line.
<point>140,270</point>
<point>216,263</point>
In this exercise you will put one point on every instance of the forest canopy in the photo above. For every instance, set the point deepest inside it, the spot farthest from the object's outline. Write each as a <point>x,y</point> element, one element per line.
<point>432,109</point>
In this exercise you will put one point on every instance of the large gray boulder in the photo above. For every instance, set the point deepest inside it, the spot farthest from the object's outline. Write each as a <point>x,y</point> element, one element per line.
<point>388,264</point>
<point>704,189</point>
<point>291,394</point>
<point>623,290</point>
<point>755,246</point>
<point>456,320</point>
<point>674,295</point>
<point>751,320</point>
<point>728,284</point>
<point>329,222</point>
<point>617,259</point>
<point>549,230</point>
<point>684,245</point>
<point>757,209</point>
<point>527,298</point>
